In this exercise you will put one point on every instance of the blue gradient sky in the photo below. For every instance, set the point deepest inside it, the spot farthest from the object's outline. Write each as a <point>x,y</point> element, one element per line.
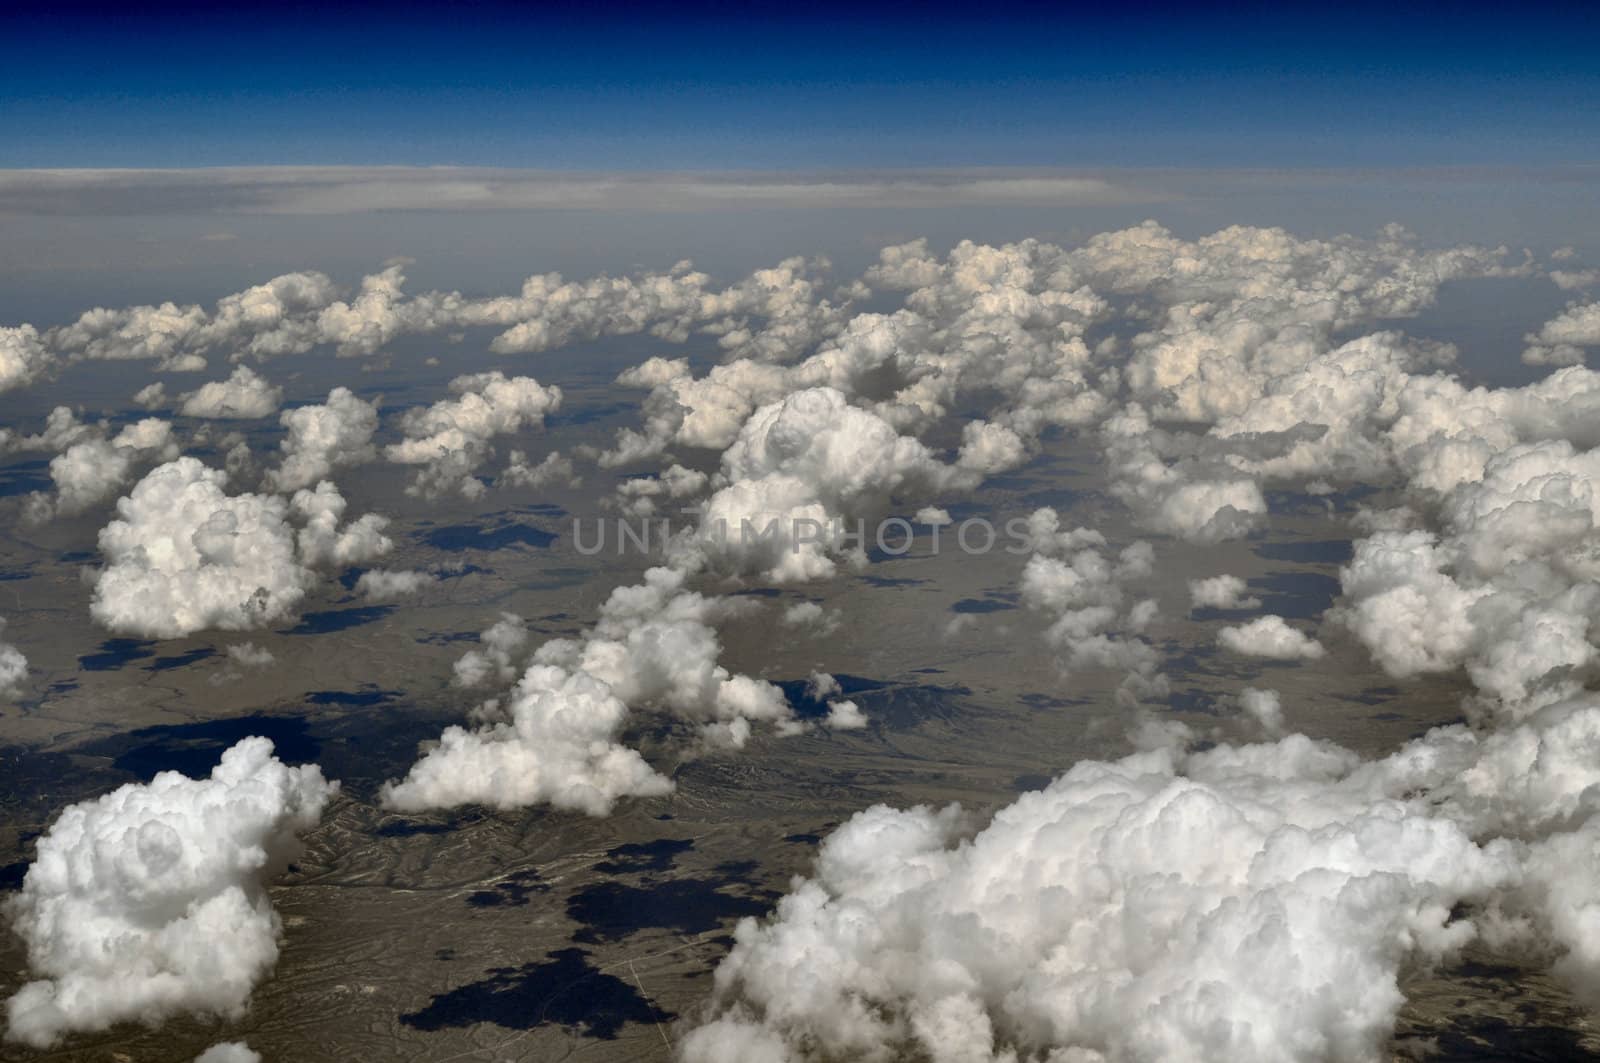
<point>703,89</point>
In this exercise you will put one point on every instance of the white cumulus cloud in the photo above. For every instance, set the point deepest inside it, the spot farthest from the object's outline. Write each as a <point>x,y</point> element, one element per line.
<point>150,902</point>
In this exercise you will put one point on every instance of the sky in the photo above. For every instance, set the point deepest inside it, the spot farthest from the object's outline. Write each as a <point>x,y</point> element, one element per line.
<point>152,151</point>
<point>706,87</point>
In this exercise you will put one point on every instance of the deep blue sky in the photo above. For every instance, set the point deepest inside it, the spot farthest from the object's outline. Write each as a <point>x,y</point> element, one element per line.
<point>703,89</point>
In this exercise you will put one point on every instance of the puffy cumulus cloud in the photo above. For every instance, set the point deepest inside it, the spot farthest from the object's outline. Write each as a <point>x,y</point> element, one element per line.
<point>811,616</point>
<point>1237,308</point>
<point>150,901</point>
<point>639,496</point>
<point>769,316</point>
<point>13,668</point>
<point>321,438</point>
<point>183,555</point>
<point>243,396</point>
<point>377,313</point>
<point>682,410</point>
<point>229,1052</point>
<point>552,469</point>
<point>1238,380</point>
<point>1007,319</point>
<point>451,438</point>
<point>1221,592</point>
<point>843,714</point>
<point>797,471</point>
<point>1327,419</point>
<point>776,313</point>
<point>1570,280</point>
<point>1563,339</point>
<point>1204,501</point>
<point>161,333</point>
<point>501,647</point>
<point>551,311</point>
<point>1264,707</point>
<point>23,356</point>
<point>290,314</point>
<point>151,396</point>
<point>1072,582</point>
<point>62,428</point>
<point>655,643</point>
<point>1506,586</point>
<point>1223,322</point>
<point>1270,636</point>
<point>554,743</point>
<point>1240,902</point>
<point>1003,321</point>
<point>990,448</point>
<point>554,739</point>
<point>250,655</point>
<point>325,540</point>
<point>1250,903</point>
<point>269,319</point>
<point>89,472</point>
<point>386,585</point>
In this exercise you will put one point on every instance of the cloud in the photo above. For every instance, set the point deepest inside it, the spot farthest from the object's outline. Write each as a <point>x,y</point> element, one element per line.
<point>1221,592</point>
<point>89,472</point>
<point>321,438</point>
<point>554,739</point>
<point>638,495</point>
<point>499,657</point>
<point>1576,280</point>
<point>554,743</point>
<point>812,616</point>
<point>229,1052</point>
<point>157,333</point>
<point>23,357</point>
<point>250,655</point>
<point>844,715</point>
<point>1563,339</point>
<point>1269,636</point>
<point>818,415</point>
<point>151,396</point>
<point>384,585</point>
<point>151,901</point>
<point>367,322</point>
<point>552,469</point>
<point>1161,906</point>
<point>266,320</point>
<point>1264,707</point>
<point>243,396</point>
<point>795,472</point>
<point>450,439</point>
<point>323,540</point>
<point>1081,592</point>
<point>183,556</point>
<point>13,668</point>
<point>321,190</point>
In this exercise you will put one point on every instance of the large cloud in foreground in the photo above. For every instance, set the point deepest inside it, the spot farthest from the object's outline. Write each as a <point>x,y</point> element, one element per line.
<point>150,901</point>
<point>1246,903</point>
